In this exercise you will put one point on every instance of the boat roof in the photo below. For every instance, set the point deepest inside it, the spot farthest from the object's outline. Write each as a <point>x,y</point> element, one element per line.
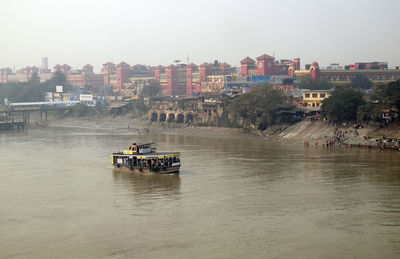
<point>149,155</point>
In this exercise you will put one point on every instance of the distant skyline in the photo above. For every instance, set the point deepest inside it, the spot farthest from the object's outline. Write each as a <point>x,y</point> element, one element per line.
<point>154,32</point>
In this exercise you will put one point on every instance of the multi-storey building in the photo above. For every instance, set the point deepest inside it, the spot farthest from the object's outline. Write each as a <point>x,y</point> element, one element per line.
<point>109,71</point>
<point>23,74</point>
<point>62,68</point>
<point>80,77</point>
<point>314,98</point>
<point>4,73</point>
<point>377,72</point>
<point>85,77</point>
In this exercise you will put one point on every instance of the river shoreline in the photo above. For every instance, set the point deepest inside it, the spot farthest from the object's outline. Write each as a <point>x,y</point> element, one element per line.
<point>311,133</point>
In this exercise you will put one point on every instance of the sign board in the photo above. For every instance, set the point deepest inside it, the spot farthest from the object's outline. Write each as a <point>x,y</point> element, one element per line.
<point>86,97</point>
<point>57,97</point>
<point>260,79</point>
<point>48,95</point>
<point>59,88</point>
<point>5,101</point>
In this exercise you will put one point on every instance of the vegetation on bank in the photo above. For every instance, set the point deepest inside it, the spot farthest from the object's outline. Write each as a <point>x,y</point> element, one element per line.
<point>348,104</point>
<point>256,107</point>
<point>82,110</point>
<point>382,98</point>
<point>152,90</point>
<point>342,105</point>
<point>33,90</point>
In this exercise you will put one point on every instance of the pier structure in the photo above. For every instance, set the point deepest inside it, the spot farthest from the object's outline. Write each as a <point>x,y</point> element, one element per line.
<point>17,115</point>
<point>189,110</point>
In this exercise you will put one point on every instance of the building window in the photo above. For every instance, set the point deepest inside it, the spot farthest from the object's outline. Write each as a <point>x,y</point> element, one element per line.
<point>307,95</point>
<point>314,95</point>
<point>322,95</point>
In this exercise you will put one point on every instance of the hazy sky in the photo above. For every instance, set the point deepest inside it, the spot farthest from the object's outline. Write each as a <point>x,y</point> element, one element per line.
<point>156,32</point>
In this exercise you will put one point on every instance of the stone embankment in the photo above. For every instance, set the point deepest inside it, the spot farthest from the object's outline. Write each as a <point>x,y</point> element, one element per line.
<point>320,132</point>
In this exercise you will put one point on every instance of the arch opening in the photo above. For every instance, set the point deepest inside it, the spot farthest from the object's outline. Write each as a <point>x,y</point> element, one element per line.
<point>180,118</point>
<point>189,118</point>
<point>163,117</point>
<point>154,117</point>
<point>171,117</point>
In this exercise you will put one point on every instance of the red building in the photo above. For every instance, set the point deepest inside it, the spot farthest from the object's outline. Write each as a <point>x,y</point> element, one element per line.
<point>247,65</point>
<point>378,75</point>
<point>265,65</point>
<point>123,73</point>
<point>85,77</point>
<point>4,73</point>
<point>172,80</point>
<point>62,68</point>
<point>109,69</point>
<point>192,81</point>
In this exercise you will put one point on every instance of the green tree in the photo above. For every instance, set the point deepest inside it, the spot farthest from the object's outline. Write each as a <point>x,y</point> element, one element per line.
<point>58,78</point>
<point>257,103</point>
<point>81,110</point>
<point>34,80</point>
<point>361,82</point>
<point>368,111</point>
<point>33,90</point>
<point>153,89</point>
<point>314,84</point>
<point>342,105</point>
<point>388,96</point>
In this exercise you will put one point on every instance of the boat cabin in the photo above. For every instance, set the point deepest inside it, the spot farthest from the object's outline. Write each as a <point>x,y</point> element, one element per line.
<point>139,149</point>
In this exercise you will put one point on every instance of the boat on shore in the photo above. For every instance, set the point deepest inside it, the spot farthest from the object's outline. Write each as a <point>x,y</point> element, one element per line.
<point>143,158</point>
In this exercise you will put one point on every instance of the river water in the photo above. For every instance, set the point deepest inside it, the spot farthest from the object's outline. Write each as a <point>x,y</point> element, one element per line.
<point>235,198</point>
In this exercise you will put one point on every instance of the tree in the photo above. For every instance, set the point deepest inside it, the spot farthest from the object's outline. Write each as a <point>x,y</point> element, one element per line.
<point>342,105</point>
<point>314,84</point>
<point>153,89</point>
<point>58,78</point>
<point>388,96</point>
<point>81,110</point>
<point>33,90</point>
<point>361,82</point>
<point>368,111</point>
<point>258,102</point>
<point>34,80</point>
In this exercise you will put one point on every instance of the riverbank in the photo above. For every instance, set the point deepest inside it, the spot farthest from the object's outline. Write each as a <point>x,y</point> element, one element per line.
<point>127,123</point>
<point>312,132</point>
<point>319,131</point>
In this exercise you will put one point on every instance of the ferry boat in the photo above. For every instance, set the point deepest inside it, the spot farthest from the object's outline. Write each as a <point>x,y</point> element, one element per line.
<point>143,158</point>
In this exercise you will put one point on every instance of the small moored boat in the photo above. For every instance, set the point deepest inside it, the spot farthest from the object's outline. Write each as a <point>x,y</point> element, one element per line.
<point>144,158</point>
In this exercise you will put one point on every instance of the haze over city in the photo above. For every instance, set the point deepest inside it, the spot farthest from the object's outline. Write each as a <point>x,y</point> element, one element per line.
<point>158,32</point>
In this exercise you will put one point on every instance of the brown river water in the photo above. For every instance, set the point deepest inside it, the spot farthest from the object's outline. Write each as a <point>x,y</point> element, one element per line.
<point>235,198</point>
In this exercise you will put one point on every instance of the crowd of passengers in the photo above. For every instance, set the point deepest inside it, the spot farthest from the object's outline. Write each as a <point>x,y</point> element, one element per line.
<point>152,162</point>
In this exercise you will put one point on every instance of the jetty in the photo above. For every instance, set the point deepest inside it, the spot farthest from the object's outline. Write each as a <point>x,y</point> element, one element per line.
<point>11,123</point>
